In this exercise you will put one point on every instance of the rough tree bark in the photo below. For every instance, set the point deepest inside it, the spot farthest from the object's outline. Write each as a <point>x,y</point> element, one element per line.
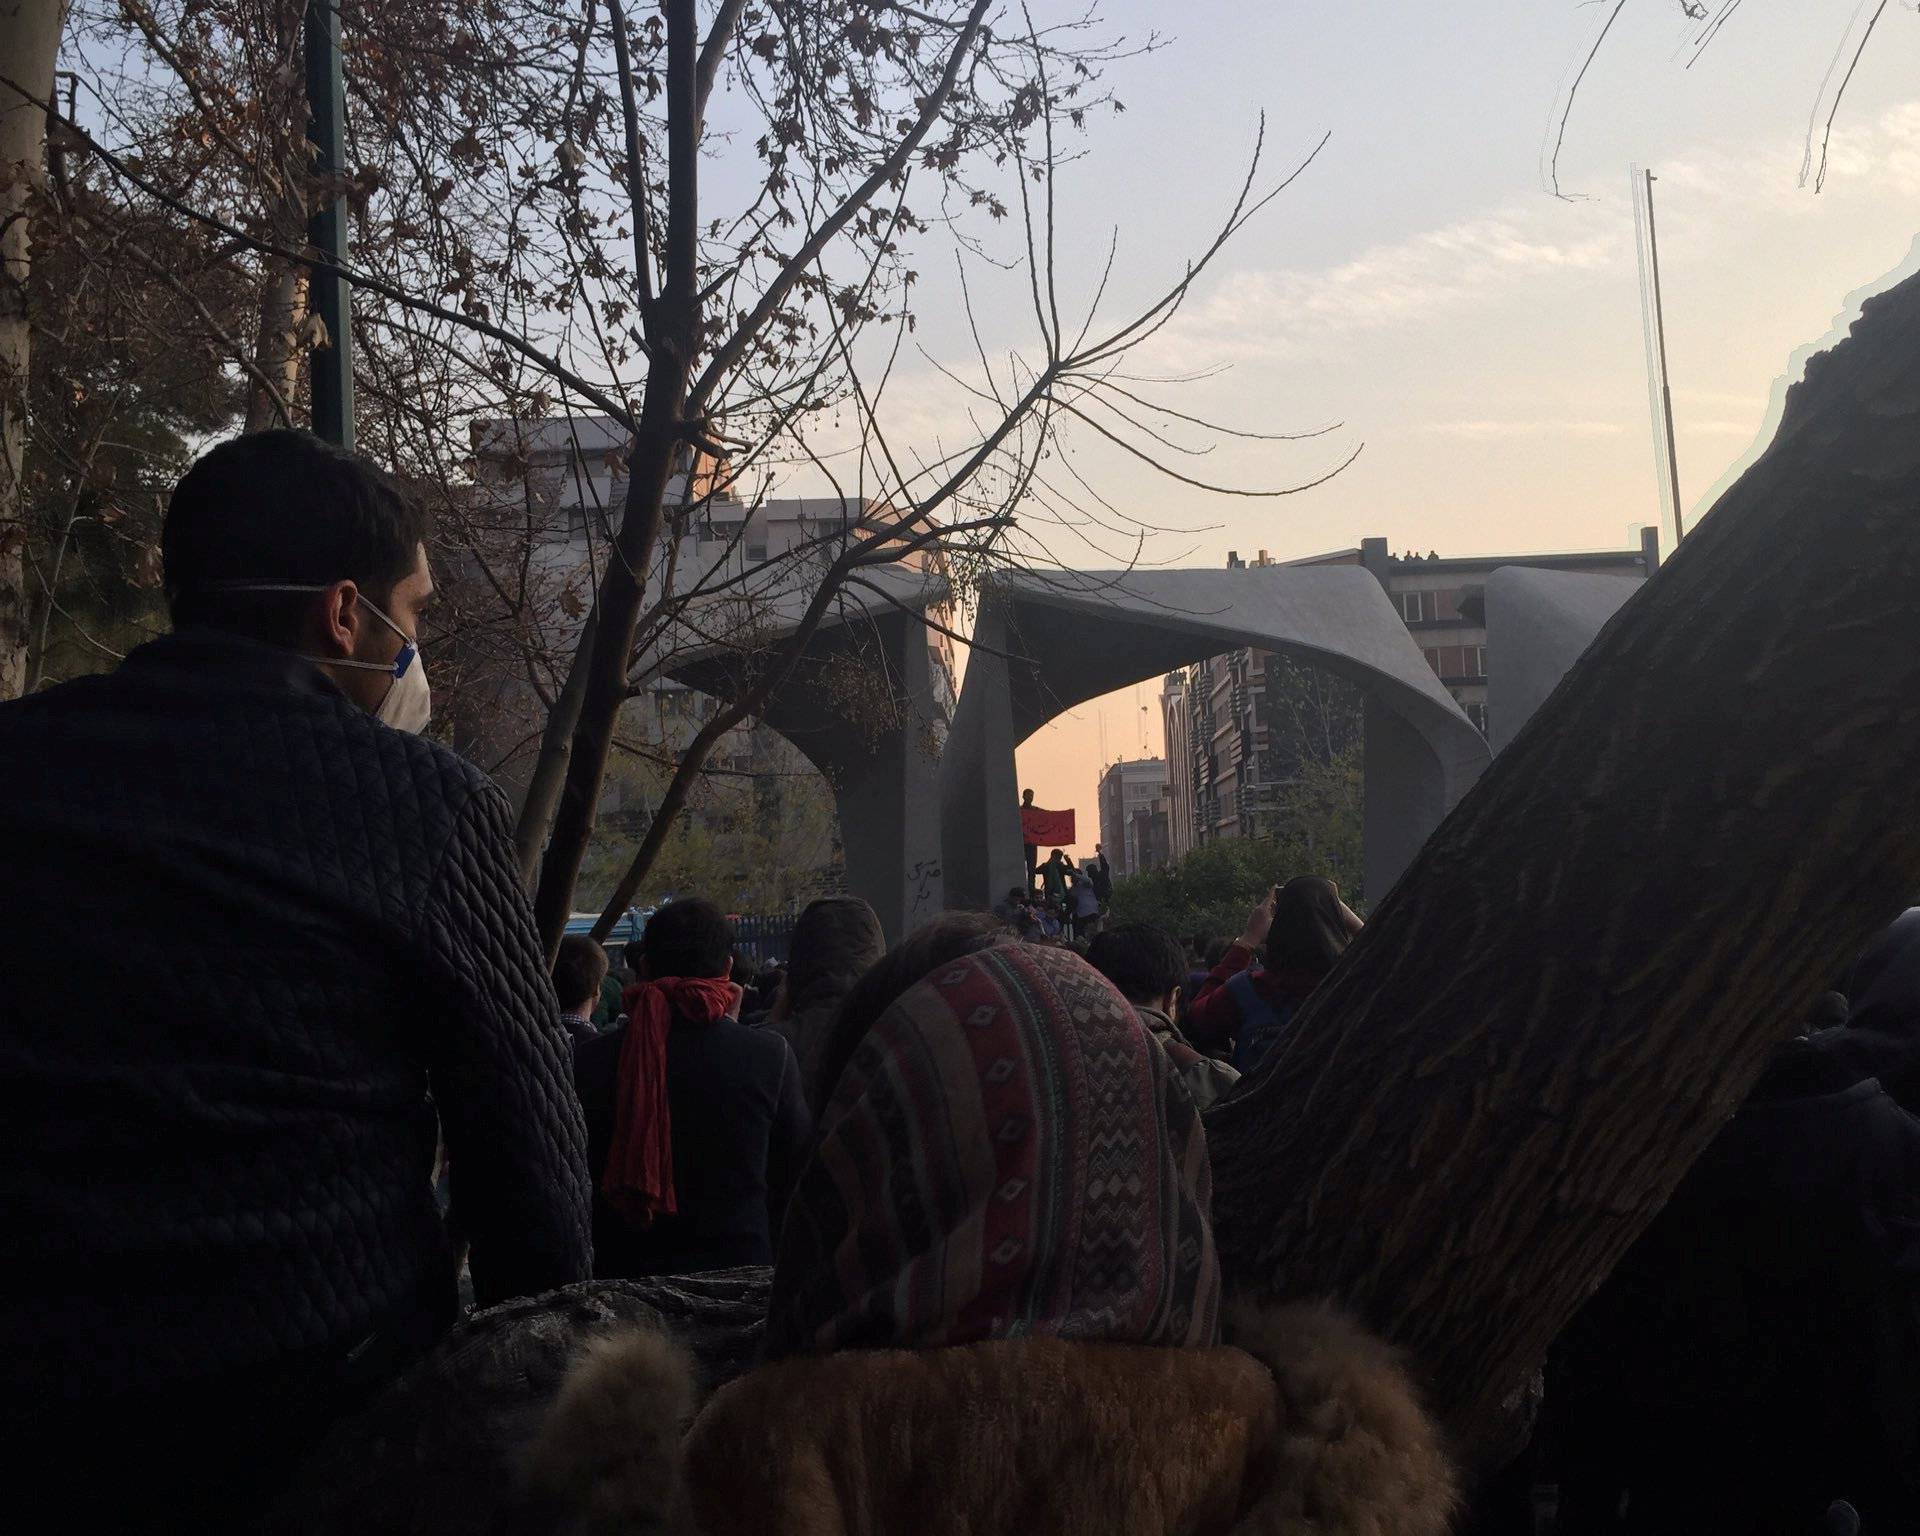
<point>29,40</point>
<point>278,346</point>
<point>1584,970</point>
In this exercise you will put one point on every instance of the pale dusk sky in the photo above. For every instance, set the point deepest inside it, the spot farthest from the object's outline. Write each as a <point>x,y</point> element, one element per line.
<point>1421,285</point>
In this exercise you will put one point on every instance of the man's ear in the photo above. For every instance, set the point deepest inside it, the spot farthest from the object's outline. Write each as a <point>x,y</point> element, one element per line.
<point>340,617</point>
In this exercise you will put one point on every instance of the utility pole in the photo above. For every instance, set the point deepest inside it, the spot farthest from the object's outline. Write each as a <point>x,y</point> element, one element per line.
<point>1660,342</point>
<point>328,295</point>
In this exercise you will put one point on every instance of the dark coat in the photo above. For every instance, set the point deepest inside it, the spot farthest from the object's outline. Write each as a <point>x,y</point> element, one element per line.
<point>1100,873</point>
<point>1753,1357</point>
<point>1246,1005</point>
<point>740,1132</point>
<point>244,928</point>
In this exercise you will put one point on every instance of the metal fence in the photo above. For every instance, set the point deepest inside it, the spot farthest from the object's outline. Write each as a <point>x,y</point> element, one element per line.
<point>766,939</point>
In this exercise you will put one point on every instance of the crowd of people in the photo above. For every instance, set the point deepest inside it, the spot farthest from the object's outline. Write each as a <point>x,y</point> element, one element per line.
<point>271,966</point>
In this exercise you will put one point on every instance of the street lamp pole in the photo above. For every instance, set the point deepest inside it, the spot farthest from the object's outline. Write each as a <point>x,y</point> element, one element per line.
<point>328,294</point>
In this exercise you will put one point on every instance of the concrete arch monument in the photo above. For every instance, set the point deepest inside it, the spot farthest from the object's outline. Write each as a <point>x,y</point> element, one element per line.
<point>1538,623</point>
<point>885,776</point>
<point>1044,642</point>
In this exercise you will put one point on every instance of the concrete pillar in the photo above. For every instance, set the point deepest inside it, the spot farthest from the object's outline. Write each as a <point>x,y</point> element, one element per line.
<point>1405,795</point>
<point>979,791</point>
<point>886,795</point>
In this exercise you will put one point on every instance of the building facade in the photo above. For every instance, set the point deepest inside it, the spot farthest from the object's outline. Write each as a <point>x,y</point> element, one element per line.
<point>1134,815</point>
<point>1236,725</point>
<point>555,489</point>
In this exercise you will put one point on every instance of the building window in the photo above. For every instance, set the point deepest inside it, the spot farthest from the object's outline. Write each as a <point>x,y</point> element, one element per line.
<point>756,551</point>
<point>1477,713</point>
<point>1446,605</point>
<point>1477,661</point>
<point>1413,606</point>
<point>1433,660</point>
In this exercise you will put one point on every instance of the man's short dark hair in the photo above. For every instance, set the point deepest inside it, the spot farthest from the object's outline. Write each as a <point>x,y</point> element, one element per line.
<point>1144,962</point>
<point>578,970</point>
<point>283,506</point>
<point>687,938</point>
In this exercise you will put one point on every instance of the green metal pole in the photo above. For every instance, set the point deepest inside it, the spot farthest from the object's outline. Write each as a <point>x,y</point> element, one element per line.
<point>328,294</point>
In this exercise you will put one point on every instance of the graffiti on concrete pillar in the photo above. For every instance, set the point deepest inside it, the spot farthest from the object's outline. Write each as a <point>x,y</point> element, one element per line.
<point>923,891</point>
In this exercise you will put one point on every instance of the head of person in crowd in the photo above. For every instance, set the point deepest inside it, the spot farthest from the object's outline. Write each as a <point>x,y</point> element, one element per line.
<point>690,937</point>
<point>1146,963</point>
<point>633,956</point>
<point>299,544</point>
<point>1026,797</point>
<point>1883,991</point>
<point>946,938</point>
<point>836,939</point>
<point>1058,856</point>
<point>746,969</point>
<point>1312,926</point>
<point>1882,1034</point>
<point>951,1197</point>
<point>578,970</point>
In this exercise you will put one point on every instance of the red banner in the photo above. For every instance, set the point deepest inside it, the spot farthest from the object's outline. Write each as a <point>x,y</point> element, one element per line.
<point>1046,829</point>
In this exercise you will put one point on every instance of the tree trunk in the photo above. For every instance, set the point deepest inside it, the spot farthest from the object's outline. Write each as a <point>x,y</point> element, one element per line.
<point>549,776</point>
<point>673,335</point>
<point>29,40</point>
<point>277,347</point>
<point>1581,975</point>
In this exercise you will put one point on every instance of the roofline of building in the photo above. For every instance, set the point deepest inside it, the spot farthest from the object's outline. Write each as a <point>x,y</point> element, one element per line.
<point>1460,562</point>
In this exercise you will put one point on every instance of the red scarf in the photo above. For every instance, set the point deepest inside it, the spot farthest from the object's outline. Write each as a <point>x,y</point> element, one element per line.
<point>638,1177</point>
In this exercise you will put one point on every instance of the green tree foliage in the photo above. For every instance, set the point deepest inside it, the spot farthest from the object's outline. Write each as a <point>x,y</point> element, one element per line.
<point>123,389</point>
<point>1316,830</point>
<point>759,839</point>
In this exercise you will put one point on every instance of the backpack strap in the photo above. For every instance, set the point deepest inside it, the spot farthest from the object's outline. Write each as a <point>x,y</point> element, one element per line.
<point>1260,1021</point>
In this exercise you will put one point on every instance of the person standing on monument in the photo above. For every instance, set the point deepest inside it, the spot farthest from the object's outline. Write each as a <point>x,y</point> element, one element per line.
<point>1100,872</point>
<point>1029,849</point>
<point>1054,875</point>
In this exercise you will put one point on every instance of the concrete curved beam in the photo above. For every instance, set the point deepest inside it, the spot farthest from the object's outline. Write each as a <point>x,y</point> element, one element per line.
<point>1047,641</point>
<point>1538,623</point>
<point>885,777</point>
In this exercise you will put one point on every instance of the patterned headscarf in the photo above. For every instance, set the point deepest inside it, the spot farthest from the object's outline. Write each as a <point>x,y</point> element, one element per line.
<point>1006,1154</point>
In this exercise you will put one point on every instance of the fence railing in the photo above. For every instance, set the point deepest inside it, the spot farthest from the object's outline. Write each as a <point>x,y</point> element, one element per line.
<point>766,939</point>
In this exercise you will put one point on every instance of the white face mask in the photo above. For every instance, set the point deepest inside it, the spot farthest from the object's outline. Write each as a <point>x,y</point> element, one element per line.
<point>408,704</point>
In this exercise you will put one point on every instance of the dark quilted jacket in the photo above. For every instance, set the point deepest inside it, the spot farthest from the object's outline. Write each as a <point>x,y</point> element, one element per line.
<point>244,927</point>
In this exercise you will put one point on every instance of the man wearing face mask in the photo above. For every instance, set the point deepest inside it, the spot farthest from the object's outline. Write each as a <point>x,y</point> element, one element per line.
<point>259,940</point>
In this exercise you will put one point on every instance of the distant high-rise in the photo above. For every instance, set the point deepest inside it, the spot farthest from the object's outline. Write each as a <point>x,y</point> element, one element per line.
<point>1134,819</point>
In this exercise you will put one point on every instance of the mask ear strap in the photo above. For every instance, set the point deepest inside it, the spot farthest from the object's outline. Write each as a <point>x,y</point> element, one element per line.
<point>409,646</point>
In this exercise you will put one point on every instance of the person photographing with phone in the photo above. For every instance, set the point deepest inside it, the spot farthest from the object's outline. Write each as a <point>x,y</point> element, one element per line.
<point>1304,928</point>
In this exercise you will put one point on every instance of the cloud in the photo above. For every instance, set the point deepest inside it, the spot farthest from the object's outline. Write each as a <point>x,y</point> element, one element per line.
<point>1491,429</point>
<point>1490,261</point>
<point>1470,262</point>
